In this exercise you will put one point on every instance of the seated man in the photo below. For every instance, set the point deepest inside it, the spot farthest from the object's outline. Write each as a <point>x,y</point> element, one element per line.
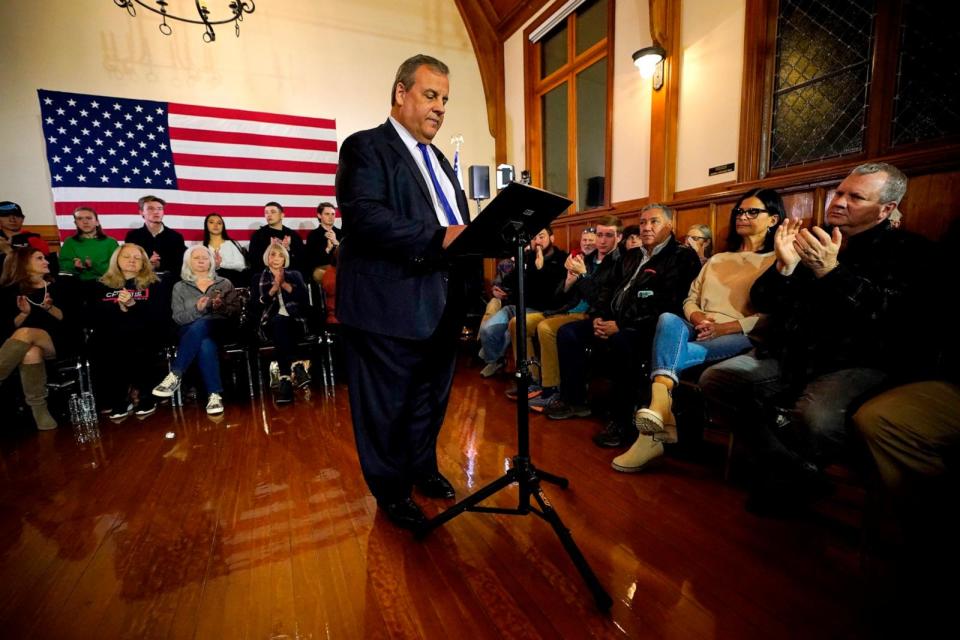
<point>839,301</point>
<point>543,265</point>
<point>12,235</point>
<point>323,242</point>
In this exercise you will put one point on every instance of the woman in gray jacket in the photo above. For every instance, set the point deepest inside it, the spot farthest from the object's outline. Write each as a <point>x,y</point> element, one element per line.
<point>202,301</point>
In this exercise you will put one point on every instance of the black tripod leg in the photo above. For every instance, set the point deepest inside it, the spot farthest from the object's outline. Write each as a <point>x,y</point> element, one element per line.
<point>472,500</point>
<point>600,596</point>
<point>560,481</point>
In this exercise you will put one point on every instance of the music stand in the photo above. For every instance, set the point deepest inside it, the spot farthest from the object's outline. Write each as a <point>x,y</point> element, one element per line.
<point>516,215</point>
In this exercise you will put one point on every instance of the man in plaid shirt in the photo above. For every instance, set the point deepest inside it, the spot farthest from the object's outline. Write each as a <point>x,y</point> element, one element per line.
<point>840,300</point>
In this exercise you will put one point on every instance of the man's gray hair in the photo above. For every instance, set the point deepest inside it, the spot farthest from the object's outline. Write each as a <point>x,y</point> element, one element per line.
<point>409,68</point>
<point>895,186</point>
<point>667,211</point>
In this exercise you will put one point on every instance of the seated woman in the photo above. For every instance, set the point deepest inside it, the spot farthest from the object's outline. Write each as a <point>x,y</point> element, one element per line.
<point>87,253</point>
<point>130,316</point>
<point>31,325</point>
<point>283,294</point>
<point>202,303</point>
<point>230,260</point>
<point>700,239</point>
<point>717,312</point>
<point>631,238</point>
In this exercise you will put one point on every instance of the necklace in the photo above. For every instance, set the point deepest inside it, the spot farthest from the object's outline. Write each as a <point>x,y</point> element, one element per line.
<point>38,304</point>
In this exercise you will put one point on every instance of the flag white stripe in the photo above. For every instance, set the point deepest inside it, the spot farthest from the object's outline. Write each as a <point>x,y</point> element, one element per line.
<point>249,126</point>
<point>134,221</point>
<point>251,151</point>
<point>254,175</point>
<point>88,194</point>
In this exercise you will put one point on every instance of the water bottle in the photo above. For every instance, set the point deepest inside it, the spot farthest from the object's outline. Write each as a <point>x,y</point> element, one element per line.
<point>76,409</point>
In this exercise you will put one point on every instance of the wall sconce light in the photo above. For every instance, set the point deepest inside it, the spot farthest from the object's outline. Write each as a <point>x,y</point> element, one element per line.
<point>649,61</point>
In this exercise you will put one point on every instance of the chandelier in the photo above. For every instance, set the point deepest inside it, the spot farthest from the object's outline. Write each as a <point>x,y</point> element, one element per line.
<point>237,8</point>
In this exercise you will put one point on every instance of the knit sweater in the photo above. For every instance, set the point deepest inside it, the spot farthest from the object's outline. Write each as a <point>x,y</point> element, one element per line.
<point>97,250</point>
<point>722,290</point>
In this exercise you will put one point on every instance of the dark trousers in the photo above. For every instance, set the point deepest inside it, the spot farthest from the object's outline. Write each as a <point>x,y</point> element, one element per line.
<point>628,356</point>
<point>121,361</point>
<point>572,342</point>
<point>398,397</point>
<point>284,332</point>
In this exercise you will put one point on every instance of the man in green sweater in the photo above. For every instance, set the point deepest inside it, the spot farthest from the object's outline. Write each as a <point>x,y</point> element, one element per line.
<point>87,253</point>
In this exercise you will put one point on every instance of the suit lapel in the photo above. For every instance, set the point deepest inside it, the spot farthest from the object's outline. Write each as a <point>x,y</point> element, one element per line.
<point>393,139</point>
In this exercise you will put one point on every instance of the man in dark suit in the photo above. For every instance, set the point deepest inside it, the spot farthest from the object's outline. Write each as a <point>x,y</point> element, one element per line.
<point>399,301</point>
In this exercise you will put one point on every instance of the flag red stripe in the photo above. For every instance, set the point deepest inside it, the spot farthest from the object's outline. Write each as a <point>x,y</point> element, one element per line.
<point>263,164</point>
<point>256,116</point>
<point>231,137</point>
<point>180,209</point>
<point>190,235</point>
<point>267,188</point>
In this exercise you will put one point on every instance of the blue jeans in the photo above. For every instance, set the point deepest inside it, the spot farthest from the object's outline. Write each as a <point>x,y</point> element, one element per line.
<point>674,351</point>
<point>197,343</point>
<point>494,334</point>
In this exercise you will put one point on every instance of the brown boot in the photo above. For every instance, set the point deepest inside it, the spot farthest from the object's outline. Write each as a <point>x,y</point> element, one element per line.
<point>654,419</point>
<point>33,378</point>
<point>11,355</point>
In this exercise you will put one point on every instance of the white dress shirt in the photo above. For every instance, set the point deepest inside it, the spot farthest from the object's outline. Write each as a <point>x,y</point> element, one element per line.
<point>448,188</point>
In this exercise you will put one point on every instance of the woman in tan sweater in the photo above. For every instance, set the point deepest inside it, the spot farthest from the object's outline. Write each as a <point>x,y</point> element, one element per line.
<point>719,319</point>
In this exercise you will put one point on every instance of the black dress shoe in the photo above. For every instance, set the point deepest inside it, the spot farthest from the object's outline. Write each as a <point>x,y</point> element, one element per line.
<point>404,513</point>
<point>436,487</point>
<point>613,437</point>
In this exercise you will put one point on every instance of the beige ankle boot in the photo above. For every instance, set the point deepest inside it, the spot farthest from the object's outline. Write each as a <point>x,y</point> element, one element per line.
<point>11,355</point>
<point>636,457</point>
<point>653,419</point>
<point>33,377</point>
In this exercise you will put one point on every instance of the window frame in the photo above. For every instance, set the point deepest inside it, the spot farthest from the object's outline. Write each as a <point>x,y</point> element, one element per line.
<point>536,87</point>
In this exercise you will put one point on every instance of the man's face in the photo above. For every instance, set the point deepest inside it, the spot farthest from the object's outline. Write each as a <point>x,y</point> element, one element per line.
<point>542,240</point>
<point>607,239</point>
<point>152,212</point>
<point>420,108</point>
<point>856,204</point>
<point>11,224</point>
<point>272,215</point>
<point>588,241</point>
<point>654,228</point>
<point>327,216</point>
<point>86,221</point>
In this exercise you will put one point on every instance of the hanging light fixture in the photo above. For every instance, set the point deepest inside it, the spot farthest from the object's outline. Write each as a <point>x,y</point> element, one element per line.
<point>649,61</point>
<point>237,9</point>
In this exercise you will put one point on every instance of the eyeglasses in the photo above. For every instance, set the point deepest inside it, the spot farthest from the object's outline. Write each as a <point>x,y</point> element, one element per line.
<point>698,238</point>
<point>590,230</point>
<point>750,213</point>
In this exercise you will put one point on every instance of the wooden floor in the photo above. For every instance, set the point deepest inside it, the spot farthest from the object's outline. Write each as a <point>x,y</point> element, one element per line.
<point>259,525</point>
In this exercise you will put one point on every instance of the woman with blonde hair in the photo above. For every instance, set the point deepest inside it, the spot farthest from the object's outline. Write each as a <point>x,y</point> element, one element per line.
<point>202,302</point>
<point>283,294</point>
<point>130,316</point>
<point>32,324</point>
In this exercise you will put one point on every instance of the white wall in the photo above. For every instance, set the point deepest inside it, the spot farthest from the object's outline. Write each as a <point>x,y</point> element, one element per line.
<point>710,79</point>
<point>333,59</point>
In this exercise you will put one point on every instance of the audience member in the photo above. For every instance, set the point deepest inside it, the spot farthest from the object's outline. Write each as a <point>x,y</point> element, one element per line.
<point>131,312</point>
<point>719,322</point>
<point>202,303</point>
<point>164,246</point>
<point>275,232</point>
<point>87,253</point>
<point>631,238</point>
<point>230,260</point>
<point>544,271</point>
<point>12,235</point>
<point>588,242</point>
<point>842,303</point>
<point>323,242</point>
<point>33,326</point>
<point>283,294</point>
<point>700,239</point>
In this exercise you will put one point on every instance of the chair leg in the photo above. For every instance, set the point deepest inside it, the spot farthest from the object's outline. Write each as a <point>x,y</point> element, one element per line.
<point>729,461</point>
<point>246,361</point>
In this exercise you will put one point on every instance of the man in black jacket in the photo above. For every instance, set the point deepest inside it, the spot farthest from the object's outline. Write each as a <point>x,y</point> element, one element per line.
<point>164,246</point>
<point>651,280</point>
<point>844,303</point>
<point>276,232</point>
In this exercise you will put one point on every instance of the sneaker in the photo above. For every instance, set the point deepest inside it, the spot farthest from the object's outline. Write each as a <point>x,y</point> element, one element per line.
<point>560,410</point>
<point>122,412</point>
<point>541,402</point>
<point>145,408</point>
<point>168,386</point>
<point>491,368</point>
<point>533,391</point>
<point>301,375</point>
<point>214,405</point>
<point>284,390</point>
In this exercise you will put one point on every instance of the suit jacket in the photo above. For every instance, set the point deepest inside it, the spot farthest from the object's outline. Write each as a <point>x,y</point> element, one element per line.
<point>392,277</point>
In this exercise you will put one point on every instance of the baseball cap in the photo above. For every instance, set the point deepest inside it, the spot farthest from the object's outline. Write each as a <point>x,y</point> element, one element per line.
<point>8,208</point>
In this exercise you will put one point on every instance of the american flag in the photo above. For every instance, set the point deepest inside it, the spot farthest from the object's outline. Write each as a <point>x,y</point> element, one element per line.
<point>106,153</point>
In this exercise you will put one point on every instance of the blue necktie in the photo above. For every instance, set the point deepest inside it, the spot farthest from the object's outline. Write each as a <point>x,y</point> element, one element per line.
<point>451,217</point>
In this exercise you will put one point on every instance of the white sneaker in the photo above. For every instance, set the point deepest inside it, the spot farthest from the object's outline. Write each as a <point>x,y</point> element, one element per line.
<point>214,405</point>
<point>168,386</point>
<point>636,457</point>
<point>491,368</point>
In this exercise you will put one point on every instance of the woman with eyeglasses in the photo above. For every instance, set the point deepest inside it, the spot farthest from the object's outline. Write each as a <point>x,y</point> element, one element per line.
<point>700,239</point>
<point>719,320</point>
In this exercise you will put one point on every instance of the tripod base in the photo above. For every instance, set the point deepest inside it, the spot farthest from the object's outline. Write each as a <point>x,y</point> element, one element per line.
<point>528,478</point>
